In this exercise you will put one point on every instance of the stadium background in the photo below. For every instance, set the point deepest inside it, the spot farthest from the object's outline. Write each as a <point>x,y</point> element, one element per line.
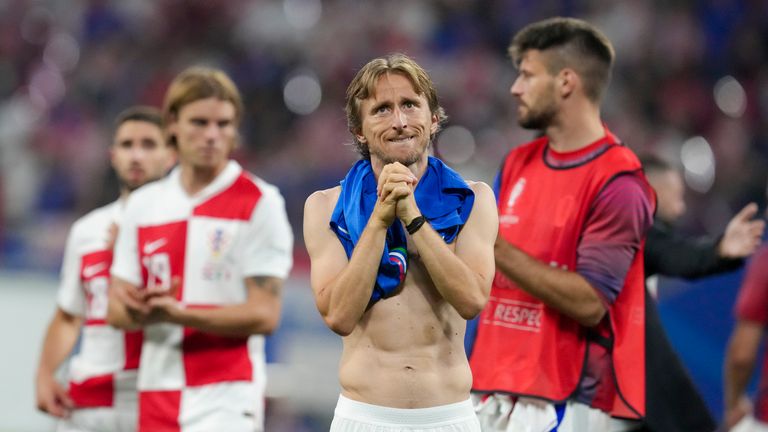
<point>690,83</point>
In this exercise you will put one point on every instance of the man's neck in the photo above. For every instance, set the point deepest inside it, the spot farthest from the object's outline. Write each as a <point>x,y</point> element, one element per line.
<point>194,179</point>
<point>575,129</point>
<point>124,193</point>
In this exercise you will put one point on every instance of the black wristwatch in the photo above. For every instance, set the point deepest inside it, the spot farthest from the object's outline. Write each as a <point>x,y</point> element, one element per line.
<point>415,224</point>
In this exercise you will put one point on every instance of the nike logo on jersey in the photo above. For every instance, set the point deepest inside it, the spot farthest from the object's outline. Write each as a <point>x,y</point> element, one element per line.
<point>93,269</point>
<point>154,245</point>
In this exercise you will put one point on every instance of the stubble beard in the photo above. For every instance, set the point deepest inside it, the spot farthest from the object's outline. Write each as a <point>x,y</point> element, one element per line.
<point>130,187</point>
<point>541,113</point>
<point>409,159</point>
<point>538,118</point>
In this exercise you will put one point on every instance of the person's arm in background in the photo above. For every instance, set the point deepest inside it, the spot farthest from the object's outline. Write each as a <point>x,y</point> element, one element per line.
<point>62,333</point>
<point>670,254</point>
<point>740,359</point>
<point>127,308</point>
<point>258,314</point>
<point>60,339</point>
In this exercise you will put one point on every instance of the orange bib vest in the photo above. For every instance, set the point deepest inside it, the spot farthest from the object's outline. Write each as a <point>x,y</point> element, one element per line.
<point>523,346</point>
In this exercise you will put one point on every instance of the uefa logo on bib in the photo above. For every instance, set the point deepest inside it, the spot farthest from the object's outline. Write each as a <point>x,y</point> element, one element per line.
<point>507,215</point>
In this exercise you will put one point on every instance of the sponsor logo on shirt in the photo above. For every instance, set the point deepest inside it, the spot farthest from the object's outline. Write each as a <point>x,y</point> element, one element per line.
<point>514,314</point>
<point>92,270</point>
<point>151,247</point>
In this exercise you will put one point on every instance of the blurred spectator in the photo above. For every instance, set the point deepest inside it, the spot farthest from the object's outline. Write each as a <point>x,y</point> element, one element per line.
<point>65,71</point>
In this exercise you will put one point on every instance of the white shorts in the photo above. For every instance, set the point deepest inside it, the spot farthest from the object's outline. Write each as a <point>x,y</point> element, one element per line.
<point>354,416</point>
<point>106,419</point>
<point>750,424</point>
<point>500,413</point>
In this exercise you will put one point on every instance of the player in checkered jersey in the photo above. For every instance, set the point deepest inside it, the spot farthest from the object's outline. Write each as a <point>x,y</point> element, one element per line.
<point>102,387</point>
<point>199,263</point>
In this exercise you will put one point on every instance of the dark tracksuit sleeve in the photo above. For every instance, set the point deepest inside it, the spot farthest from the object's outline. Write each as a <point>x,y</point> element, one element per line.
<point>671,254</point>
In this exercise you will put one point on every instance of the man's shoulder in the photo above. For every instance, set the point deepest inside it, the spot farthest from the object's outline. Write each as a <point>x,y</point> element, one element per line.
<point>258,185</point>
<point>325,196</point>
<point>524,154</point>
<point>321,203</point>
<point>481,190</point>
<point>95,220</point>
<point>530,146</point>
<point>478,186</point>
<point>149,191</point>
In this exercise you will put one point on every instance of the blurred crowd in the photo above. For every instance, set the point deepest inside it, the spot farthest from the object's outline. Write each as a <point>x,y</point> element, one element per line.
<point>690,84</point>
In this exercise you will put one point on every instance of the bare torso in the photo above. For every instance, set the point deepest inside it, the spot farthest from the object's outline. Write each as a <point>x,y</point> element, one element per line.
<point>407,351</point>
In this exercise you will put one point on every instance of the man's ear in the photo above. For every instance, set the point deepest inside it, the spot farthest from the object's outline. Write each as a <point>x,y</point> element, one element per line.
<point>360,137</point>
<point>567,80</point>
<point>435,124</point>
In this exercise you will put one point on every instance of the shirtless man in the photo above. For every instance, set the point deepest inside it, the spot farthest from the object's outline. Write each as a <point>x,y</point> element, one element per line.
<point>400,300</point>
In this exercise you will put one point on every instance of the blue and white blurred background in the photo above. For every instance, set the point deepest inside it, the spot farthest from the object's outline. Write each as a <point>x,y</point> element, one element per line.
<point>691,84</point>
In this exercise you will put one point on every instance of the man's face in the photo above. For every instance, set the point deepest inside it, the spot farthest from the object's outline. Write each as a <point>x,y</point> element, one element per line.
<point>670,191</point>
<point>139,153</point>
<point>206,133</point>
<point>396,121</point>
<point>535,91</point>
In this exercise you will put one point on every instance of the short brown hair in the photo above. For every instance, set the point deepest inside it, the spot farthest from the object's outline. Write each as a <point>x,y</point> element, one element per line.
<point>363,86</point>
<point>198,83</point>
<point>571,43</point>
<point>139,113</point>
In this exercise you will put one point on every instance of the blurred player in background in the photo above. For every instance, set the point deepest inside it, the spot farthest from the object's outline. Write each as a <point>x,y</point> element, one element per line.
<point>200,261</point>
<point>400,300</point>
<point>101,395</point>
<point>742,415</point>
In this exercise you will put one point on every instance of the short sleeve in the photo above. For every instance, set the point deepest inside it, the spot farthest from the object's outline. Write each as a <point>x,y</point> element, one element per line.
<point>752,302</point>
<point>71,297</point>
<point>613,234</point>
<point>125,260</point>
<point>269,243</point>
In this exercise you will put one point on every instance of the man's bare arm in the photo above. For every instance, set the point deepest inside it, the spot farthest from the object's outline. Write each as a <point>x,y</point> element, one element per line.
<point>463,277</point>
<point>60,339</point>
<point>566,291</point>
<point>342,286</point>
<point>259,314</point>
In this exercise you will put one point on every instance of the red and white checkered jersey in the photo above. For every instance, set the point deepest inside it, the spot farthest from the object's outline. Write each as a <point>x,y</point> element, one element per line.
<point>104,369</point>
<point>234,228</point>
